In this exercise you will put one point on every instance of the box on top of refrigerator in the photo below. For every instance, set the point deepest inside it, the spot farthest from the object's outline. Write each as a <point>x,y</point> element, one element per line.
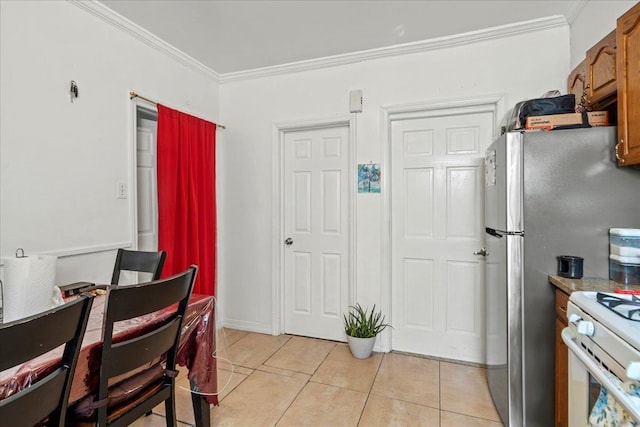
<point>552,121</point>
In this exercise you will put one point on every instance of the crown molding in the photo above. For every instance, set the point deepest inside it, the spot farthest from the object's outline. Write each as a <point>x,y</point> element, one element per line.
<point>120,22</point>
<point>535,25</point>
<point>574,9</point>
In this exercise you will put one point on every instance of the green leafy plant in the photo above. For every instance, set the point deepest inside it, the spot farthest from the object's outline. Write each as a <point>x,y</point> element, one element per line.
<point>361,323</point>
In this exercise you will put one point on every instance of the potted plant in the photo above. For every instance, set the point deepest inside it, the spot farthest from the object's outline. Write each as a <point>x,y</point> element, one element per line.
<point>361,327</point>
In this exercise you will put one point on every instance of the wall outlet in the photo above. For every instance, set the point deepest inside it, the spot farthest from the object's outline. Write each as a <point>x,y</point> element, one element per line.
<point>121,190</point>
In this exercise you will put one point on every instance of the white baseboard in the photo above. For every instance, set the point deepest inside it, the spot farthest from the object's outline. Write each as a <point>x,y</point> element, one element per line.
<point>243,325</point>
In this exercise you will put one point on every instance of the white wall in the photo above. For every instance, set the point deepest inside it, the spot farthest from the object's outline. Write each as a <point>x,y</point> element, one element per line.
<point>518,67</point>
<point>597,19</point>
<point>61,161</point>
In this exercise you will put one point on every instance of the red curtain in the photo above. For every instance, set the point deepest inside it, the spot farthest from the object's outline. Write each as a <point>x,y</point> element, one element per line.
<point>187,195</point>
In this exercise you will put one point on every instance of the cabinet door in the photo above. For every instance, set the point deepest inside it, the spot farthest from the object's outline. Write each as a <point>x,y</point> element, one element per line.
<point>601,69</point>
<point>562,372</point>
<point>562,300</point>
<point>562,361</point>
<point>577,83</point>
<point>628,62</point>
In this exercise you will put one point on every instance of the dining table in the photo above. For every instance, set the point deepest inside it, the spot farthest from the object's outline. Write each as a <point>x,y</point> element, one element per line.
<point>196,352</point>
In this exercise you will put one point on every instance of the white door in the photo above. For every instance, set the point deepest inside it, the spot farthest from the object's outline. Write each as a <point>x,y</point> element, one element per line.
<point>437,225</point>
<point>147,195</point>
<point>315,206</point>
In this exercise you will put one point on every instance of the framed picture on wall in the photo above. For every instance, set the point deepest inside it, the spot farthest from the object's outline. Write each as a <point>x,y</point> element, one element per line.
<point>369,178</point>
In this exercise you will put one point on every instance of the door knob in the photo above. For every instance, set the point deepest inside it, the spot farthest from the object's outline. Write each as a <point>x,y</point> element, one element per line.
<point>482,252</point>
<point>288,241</point>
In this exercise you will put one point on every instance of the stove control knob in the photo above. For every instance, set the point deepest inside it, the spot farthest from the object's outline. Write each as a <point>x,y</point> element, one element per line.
<point>633,371</point>
<point>573,318</point>
<point>586,328</point>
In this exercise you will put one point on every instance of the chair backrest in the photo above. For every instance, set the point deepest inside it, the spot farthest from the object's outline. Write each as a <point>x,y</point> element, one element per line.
<point>144,262</point>
<point>26,339</point>
<point>129,302</point>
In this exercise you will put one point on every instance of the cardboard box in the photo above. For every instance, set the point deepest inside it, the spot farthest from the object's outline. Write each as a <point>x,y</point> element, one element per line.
<point>596,118</point>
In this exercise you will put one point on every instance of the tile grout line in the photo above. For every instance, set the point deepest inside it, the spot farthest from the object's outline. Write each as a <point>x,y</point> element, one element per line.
<point>473,416</point>
<point>275,351</point>
<point>232,371</point>
<point>297,372</point>
<point>323,360</point>
<point>308,380</point>
<point>371,389</point>
<point>441,410</point>
<point>291,403</point>
<point>253,370</point>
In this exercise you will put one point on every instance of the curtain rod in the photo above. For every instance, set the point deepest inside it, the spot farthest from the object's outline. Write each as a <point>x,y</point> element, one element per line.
<point>132,95</point>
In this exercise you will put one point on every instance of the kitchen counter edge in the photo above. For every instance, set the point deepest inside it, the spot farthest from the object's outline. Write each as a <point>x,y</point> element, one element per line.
<point>588,284</point>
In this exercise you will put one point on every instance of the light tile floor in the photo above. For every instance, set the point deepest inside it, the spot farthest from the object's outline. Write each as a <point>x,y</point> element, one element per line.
<point>295,381</point>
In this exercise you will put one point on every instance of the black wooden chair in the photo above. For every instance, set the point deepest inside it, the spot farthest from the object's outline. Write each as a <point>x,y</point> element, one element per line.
<point>140,261</point>
<point>128,302</point>
<point>25,339</point>
<point>126,260</point>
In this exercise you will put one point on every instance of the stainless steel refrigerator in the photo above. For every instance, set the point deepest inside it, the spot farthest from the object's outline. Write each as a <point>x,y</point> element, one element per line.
<point>546,194</point>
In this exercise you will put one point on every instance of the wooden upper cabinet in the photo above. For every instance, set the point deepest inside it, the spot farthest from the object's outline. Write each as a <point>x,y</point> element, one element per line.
<point>601,70</point>
<point>577,83</point>
<point>628,63</point>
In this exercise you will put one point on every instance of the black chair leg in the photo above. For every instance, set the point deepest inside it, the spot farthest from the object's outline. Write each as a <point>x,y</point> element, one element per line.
<point>201,410</point>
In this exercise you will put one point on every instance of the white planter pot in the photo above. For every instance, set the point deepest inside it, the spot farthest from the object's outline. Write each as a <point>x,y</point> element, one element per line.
<point>361,348</point>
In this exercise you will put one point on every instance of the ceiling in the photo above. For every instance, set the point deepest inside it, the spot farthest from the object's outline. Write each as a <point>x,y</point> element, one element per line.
<point>238,35</point>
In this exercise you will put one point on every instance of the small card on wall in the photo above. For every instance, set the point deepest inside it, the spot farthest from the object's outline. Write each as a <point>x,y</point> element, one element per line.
<point>369,178</point>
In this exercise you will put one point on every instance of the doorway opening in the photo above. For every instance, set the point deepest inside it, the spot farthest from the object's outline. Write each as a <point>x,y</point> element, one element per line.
<point>145,183</point>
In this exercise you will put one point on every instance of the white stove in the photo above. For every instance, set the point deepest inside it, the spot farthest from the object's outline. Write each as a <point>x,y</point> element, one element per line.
<point>604,342</point>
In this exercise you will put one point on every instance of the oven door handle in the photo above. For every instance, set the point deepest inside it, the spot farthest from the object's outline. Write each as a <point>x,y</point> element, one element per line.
<point>619,395</point>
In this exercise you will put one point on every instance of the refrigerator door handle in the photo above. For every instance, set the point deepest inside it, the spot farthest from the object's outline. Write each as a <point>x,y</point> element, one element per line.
<point>494,232</point>
<point>500,234</point>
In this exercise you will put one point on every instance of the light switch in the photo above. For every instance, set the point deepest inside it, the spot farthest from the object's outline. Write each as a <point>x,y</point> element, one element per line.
<point>355,101</point>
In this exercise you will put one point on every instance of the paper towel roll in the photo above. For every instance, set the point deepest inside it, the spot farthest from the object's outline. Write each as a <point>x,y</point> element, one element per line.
<point>28,286</point>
